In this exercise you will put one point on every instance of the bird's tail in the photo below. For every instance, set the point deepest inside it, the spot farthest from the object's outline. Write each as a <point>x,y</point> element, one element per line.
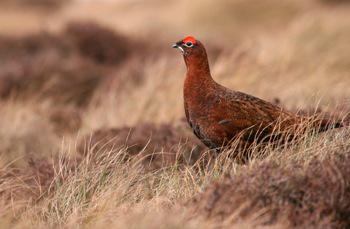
<point>328,124</point>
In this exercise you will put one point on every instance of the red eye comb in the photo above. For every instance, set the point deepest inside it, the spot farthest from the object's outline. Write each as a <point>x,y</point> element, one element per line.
<point>189,39</point>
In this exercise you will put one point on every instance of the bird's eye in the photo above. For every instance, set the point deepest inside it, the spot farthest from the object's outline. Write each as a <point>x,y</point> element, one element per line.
<point>189,44</point>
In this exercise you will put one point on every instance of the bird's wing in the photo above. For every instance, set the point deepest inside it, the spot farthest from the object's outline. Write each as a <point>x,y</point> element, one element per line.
<point>238,112</point>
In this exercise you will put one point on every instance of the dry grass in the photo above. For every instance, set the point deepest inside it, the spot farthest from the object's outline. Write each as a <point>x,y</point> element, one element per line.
<point>302,186</point>
<point>92,131</point>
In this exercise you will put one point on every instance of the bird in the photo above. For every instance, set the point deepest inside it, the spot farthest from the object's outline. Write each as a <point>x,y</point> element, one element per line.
<point>217,114</point>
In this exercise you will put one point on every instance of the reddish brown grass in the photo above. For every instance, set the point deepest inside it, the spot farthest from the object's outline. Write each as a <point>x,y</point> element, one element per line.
<point>315,195</point>
<point>158,146</point>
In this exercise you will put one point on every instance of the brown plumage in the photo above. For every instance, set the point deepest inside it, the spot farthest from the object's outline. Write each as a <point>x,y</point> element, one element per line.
<point>217,114</point>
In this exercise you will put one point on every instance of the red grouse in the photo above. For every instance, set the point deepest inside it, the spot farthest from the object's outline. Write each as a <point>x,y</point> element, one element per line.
<point>217,114</point>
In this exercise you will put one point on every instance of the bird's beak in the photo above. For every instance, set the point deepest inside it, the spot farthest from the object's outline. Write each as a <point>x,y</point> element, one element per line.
<point>178,46</point>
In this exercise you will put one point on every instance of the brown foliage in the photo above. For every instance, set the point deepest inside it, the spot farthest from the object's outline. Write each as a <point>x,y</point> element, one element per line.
<point>29,182</point>
<point>335,2</point>
<point>102,45</point>
<point>66,68</point>
<point>28,46</point>
<point>44,4</point>
<point>68,80</point>
<point>65,119</point>
<point>314,196</point>
<point>157,146</point>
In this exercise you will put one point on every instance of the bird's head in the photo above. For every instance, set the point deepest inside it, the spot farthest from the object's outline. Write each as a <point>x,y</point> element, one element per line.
<point>191,48</point>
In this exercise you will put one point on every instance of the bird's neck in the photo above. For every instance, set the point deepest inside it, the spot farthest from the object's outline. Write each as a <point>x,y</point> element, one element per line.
<point>198,74</point>
<point>198,84</point>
